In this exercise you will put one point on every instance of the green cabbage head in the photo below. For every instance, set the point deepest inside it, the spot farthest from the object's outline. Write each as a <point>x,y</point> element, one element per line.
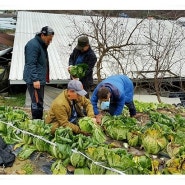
<point>153,141</point>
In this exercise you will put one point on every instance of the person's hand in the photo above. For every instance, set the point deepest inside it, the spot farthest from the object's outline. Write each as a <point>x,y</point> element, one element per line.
<point>68,68</point>
<point>85,133</point>
<point>74,78</point>
<point>94,120</point>
<point>36,85</point>
<point>98,118</point>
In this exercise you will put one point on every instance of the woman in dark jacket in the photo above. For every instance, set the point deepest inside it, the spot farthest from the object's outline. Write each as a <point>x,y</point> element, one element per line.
<point>83,53</point>
<point>36,69</point>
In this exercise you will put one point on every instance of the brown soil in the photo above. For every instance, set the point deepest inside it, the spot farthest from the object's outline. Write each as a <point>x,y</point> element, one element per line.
<point>143,118</point>
<point>18,168</point>
<point>35,164</point>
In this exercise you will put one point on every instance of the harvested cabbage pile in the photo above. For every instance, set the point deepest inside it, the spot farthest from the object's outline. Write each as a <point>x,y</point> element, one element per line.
<point>79,70</point>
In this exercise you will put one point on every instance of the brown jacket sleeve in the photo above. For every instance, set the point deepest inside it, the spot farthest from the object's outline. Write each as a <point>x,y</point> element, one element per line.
<point>88,107</point>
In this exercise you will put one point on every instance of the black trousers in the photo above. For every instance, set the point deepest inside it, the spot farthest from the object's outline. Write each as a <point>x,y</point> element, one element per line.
<point>37,101</point>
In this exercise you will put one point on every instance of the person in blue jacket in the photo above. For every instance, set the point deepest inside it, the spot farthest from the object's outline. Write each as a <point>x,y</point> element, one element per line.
<point>36,69</point>
<point>119,91</point>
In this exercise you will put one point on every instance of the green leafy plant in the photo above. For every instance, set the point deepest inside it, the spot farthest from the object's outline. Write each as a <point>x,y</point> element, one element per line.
<point>28,168</point>
<point>79,70</point>
<point>17,100</point>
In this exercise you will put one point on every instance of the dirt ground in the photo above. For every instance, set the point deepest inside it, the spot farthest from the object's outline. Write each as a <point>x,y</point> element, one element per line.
<point>38,164</point>
<point>18,168</point>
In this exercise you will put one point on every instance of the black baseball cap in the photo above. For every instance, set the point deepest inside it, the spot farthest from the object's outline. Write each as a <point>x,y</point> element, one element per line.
<point>82,42</point>
<point>46,30</point>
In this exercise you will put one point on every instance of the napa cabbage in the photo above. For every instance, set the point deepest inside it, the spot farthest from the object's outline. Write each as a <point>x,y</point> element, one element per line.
<point>79,70</point>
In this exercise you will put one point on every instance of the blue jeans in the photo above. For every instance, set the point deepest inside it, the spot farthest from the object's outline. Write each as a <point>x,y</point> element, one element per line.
<point>131,108</point>
<point>130,105</point>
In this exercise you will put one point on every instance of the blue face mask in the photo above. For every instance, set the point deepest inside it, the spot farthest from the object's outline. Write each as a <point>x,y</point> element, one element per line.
<point>104,105</point>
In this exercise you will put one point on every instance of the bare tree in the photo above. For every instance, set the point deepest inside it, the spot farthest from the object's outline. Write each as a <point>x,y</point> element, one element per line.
<point>164,40</point>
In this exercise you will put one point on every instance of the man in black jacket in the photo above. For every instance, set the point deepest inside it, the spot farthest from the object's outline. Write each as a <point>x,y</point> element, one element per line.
<point>83,53</point>
<point>36,69</point>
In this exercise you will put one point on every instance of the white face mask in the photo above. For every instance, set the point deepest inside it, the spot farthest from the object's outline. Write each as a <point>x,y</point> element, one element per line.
<point>105,105</point>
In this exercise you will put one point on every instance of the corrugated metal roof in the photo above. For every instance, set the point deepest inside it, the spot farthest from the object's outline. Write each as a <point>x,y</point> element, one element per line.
<point>28,23</point>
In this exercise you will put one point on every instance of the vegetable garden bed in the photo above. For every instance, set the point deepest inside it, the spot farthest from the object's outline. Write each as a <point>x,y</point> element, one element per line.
<point>152,143</point>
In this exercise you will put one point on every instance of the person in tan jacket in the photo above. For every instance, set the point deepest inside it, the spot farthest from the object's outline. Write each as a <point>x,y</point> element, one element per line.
<point>68,107</point>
